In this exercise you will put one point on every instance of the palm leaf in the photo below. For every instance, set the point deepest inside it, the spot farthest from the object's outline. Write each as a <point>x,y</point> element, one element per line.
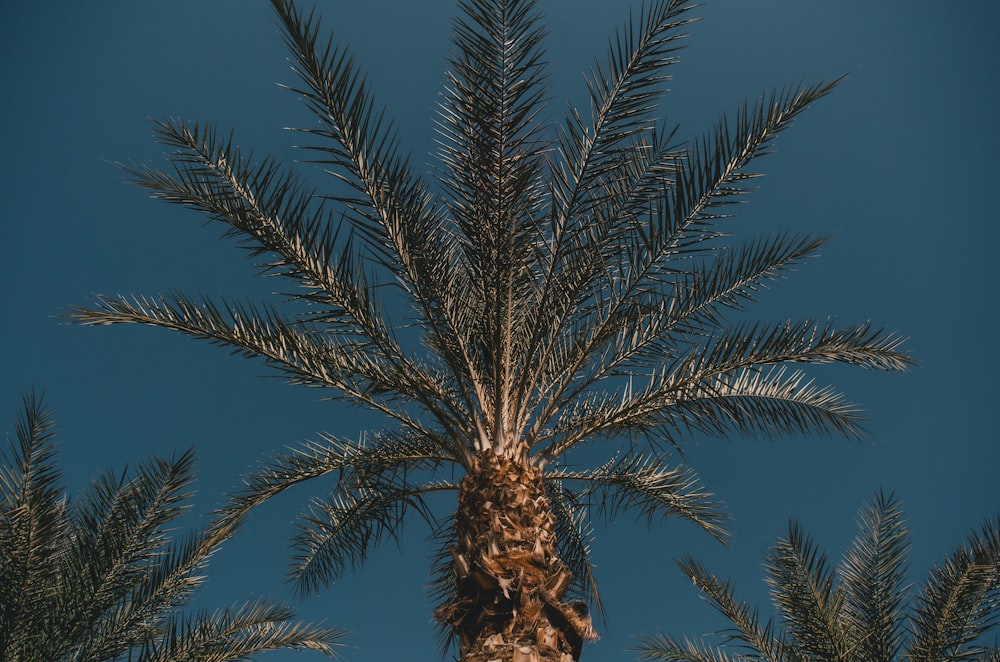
<point>574,536</point>
<point>748,633</point>
<point>872,577</point>
<point>772,403</point>
<point>339,532</point>
<point>303,352</point>
<point>713,173</point>
<point>32,525</point>
<point>960,601</point>
<point>865,616</point>
<point>356,140</point>
<point>667,648</point>
<point>274,214</point>
<point>623,99</point>
<point>237,633</point>
<point>802,587</point>
<point>390,209</point>
<point>112,581</point>
<point>119,536</point>
<point>698,297</point>
<point>645,485</point>
<point>389,456</point>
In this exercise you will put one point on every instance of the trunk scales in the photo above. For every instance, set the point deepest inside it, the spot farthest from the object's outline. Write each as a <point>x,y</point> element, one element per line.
<point>510,579</point>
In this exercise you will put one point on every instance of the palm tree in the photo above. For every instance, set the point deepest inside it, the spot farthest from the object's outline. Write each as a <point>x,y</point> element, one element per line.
<point>861,611</point>
<point>99,578</point>
<point>546,288</point>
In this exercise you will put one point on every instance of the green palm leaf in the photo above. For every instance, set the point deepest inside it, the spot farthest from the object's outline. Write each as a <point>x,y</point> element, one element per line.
<point>388,457</point>
<point>802,587</point>
<point>237,634</point>
<point>748,633</point>
<point>873,577</point>
<point>338,533</point>
<point>960,602</point>
<point>666,648</point>
<point>32,523</point>
<point>107,579</point>
<point>648,487</point>
<point>574,537</point>
<point>862,610</point>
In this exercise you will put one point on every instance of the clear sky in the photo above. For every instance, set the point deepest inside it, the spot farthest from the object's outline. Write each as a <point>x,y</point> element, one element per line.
<point>900,164</point>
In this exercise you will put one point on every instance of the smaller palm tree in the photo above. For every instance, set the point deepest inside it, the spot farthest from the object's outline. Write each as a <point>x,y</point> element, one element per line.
<point>862,611</point>
<point>99,578</point>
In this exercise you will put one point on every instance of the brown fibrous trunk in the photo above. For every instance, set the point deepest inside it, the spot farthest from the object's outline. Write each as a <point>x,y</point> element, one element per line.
<point>510,580</point>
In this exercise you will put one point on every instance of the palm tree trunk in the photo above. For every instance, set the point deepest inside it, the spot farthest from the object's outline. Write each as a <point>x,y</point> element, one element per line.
<point>510,580</point>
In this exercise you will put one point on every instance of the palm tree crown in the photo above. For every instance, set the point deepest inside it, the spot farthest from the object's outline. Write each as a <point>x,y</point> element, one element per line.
<point>99,577</point>
<point>861,611</point>
<point>568,284</point>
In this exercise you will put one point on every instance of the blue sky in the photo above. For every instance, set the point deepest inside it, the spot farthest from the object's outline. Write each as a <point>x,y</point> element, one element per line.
<point>899,164</point>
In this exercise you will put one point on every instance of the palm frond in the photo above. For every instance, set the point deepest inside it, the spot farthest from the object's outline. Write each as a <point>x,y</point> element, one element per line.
<point>164,584</point>
<point>872,578</point>
<point>33,524</point>
<point>864,616</point>
<point>623,99</point>
<point>119,538</point>
<point>574,535</point>
<point>802,587</point>
<point>113,580</point>
<point>237,633</point>
<point>29,475</point>
<point>645,485</point>
<point>274,214</point>
<point>339,532</point>
<point>803,341</point>
<point>492,158</point>
<point>303,352</point>
<point>734,276</point>
<point>713,173</point>
<point>748,633</point>
<point>443,588</point>
<point>960,601</point>
<point>667,648</point>
<point>358,143</point>
<point>772,403</point>
<point>389,208</point>
<point>389,456</point>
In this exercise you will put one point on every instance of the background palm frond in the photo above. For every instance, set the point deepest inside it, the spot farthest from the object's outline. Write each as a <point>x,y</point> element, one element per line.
<point>873,580</point>
<point>101,577</point>
<point>32,524</point>
<point>960,601</point>
<point>802,587</point>
<point>862,610</point>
